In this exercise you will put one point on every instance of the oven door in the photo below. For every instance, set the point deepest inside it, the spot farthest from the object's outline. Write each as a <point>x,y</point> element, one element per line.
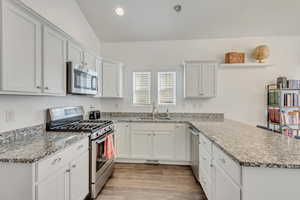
<point>99,162</point>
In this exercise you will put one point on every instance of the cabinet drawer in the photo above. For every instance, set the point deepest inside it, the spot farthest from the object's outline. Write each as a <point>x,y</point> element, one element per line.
<point>206,184</point>
<point>78,148</point>
<point>152,126</point>
<point>50,165</point>
<point>205,161</point>
<point>232,168</point>
<point>206,143</point>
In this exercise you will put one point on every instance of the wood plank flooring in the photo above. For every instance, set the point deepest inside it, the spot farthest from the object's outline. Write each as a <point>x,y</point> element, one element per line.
<point>152,182</point>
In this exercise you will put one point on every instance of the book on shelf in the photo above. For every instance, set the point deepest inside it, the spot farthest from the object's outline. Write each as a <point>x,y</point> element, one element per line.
<point>290,99</point>
<point>290,117</point>
<point>274,115</point>
<point>291,132</point>
<point>293,84</point>
<point>274,97</point>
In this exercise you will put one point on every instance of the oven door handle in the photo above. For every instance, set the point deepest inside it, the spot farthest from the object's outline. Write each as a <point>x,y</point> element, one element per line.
<point>100,140</point>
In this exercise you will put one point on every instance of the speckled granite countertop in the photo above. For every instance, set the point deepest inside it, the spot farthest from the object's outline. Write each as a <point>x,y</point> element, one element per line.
<point>251,146</point>
<point>248,145</point>
<point>34,144</point>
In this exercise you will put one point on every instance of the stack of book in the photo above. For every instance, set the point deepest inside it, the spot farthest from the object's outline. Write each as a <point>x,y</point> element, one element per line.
<point>274,115</point>
<point>293,84</point>
<point>290,99</point>
<point>290,117</point>
<point>274,97</point>
<point>291,132</point>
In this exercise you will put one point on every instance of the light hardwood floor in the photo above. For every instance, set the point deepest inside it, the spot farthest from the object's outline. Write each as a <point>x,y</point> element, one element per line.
<point>152,182</point>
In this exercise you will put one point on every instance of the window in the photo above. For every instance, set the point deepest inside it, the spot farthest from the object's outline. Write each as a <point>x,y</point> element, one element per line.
<point>142,88</point>
<point>166,88</point>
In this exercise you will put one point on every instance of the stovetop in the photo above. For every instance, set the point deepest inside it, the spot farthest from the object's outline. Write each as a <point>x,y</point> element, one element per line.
<point>90,126</point>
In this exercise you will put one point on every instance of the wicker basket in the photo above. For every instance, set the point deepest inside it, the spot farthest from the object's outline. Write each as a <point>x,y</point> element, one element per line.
<point>234,57</point>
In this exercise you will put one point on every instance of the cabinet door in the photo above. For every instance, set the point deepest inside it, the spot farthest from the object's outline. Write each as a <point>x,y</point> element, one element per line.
<point>21,58</point>
<point>99,71</point>
<point>123,140</point>
<point>90,60</point>
<point>55,187</point>
<point>223,187</point>
<point>181,143</point>
<point>111,79</point>
<point>164,145</point>
<point>208,80</point>
<point>191,80</point>
<point>141,144</point>
<point>79,177</point>
<point>54,62</point>
<point>75,53</point>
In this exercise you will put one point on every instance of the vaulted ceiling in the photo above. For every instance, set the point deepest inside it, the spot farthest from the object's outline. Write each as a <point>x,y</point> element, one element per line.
<point>148,20</point>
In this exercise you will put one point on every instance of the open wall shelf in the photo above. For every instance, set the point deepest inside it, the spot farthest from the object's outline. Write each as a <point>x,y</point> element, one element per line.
<point>246,65</point>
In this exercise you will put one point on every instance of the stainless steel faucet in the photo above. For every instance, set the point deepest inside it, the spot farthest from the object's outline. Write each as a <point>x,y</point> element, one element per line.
<point>154,110</point>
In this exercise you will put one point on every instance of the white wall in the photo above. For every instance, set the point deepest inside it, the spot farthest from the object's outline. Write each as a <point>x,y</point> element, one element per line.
<point>30,110</point>
<point>241,92</point>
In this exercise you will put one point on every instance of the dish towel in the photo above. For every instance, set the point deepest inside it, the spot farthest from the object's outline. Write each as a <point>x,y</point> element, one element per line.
<point>109,150</point>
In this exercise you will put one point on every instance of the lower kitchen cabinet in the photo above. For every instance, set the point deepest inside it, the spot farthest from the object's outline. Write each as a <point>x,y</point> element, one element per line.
<point>79,179</point>
<point>141,144</point>
<point>166,142</point>
<point>61,176</point>
<point>55,187</point>
<point>123,142</point>
<point>224,187</point>
<point>163,145</point>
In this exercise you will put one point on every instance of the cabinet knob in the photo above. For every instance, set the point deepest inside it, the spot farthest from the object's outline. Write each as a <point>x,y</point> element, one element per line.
<point>73,166</point>
<point>68,171</point>
<point>38,87</point>
<point>46,88</point>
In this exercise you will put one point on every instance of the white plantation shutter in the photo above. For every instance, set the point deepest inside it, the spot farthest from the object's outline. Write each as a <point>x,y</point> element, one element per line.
<point>167,88</point>
<point>142,88</point>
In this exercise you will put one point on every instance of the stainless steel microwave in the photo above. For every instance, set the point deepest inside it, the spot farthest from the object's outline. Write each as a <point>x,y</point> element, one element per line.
<point>81,80</point>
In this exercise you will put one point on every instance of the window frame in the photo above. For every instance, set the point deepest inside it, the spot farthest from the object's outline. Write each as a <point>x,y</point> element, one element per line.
<point>151,88</point>
<point>158,87</point>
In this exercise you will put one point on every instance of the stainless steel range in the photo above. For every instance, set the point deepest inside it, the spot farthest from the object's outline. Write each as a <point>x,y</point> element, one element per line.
<point>70,119</point>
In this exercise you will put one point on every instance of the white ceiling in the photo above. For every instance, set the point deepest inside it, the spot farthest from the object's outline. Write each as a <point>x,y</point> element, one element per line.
<point>148,20</point>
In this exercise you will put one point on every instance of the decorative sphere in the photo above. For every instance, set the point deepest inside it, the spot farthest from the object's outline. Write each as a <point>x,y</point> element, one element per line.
<point>261,53</point>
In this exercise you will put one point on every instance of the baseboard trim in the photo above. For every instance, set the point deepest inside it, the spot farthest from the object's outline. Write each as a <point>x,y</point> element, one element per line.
<point>144,161</point>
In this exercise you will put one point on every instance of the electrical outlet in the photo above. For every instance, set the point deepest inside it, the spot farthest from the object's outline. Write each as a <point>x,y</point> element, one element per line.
<point>10,115</point>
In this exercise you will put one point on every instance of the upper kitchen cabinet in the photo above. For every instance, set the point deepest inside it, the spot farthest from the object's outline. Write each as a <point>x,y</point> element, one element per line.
<point>112,79</point>
<point>75,53</point>
<point>90,60</point>
<point>21,50</point>
<point>200,79</point>
<point>54,61</point>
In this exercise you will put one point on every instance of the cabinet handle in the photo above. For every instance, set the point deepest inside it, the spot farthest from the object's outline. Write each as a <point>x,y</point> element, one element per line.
<point>154,134</point>
<point>38,87</point>
<point>46,88</point>
<point>73,166</point>
<point>68,170</point>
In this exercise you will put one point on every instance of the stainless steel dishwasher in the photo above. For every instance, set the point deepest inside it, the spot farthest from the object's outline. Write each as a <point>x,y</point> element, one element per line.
<point>195,151</point>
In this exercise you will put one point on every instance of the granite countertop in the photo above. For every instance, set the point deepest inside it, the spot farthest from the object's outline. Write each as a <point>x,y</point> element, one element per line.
<point>35,144</point>
<point>252,146</point>
<point>248,145</point>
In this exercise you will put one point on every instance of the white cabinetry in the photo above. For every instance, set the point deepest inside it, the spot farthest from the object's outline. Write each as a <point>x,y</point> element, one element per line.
<point>159,142</point>
<point>123,140</point>
<point>223,186</point>
<point>90,60</point>
<point>55,187</point>
<point>112,79</point>
<point>54,61</point>
<point>79,177</point>
<point>200,79</point>
<point>75,53</point>
<point>21,50</point>
<point>62,176</point>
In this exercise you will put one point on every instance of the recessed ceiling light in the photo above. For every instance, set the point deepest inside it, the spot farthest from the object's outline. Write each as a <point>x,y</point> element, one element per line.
<point>119,11</point>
